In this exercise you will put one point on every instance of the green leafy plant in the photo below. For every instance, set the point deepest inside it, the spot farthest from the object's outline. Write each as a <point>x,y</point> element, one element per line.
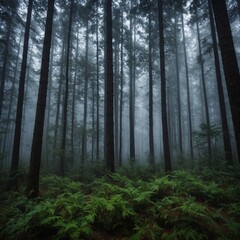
<point>180,205</point>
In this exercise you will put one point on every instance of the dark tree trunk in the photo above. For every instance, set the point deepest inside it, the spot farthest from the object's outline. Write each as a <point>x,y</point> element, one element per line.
<point>84,134</point>
<point>131,94</point>
<point>4,67</point>
<point>226,136</point>
<point>116,95</point>
<point>108,125</point>
<point>150,100</point>
<point>7,129</point>
<point>98,88</point>
<point>74,104</point>
<point>204,91</point>
<point>25,102</point>
<point>98,106</point>
<point>65,102</point>
<point>188,90</point>
<point>48,109</point>
<point>93,117</point>
<point>179,109</point>
<point>121,94</point>
<point>17,135</point>
<point>59,96</point>
<point>166,148</point>
<point>230,64</point>
<point>35,161</point>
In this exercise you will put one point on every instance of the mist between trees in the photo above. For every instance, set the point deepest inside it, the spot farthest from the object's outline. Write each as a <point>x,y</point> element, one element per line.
<point>118,83</point>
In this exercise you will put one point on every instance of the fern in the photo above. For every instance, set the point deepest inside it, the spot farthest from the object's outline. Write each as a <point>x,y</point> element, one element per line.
<point>181,205</point>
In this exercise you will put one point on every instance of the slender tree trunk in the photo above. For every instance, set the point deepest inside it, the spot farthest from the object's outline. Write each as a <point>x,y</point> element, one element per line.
<point>230,64</point>
<point>65,103</point>
<point>59,95</point>
<point>48,109</point>
<point>150,100</point>
<point>25,104</point>
<point>17,135</point>
<point>179,109</point>
<point>121,94</point>
<point>109,125</point>
<point>84,134</point>
<point>93,118</point>
<point>226,135</point>
<point>116,96</point>
<point>204,92</point>
<point>35,161</point>
<point>74,103</point>
<point>4,67</point>
<point>7,132</point>
<point>188,90</point>
<point>131,95</point>
<point>166,147</point>
<point>98,88</point>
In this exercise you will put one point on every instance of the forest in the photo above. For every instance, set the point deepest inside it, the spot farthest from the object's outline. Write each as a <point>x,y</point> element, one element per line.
<point>119,119</point>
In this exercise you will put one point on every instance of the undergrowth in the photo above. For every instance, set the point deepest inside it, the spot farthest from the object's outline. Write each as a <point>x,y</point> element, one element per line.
<point>181,205</point>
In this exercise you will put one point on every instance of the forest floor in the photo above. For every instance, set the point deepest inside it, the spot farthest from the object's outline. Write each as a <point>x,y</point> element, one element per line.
<point>180,205</point>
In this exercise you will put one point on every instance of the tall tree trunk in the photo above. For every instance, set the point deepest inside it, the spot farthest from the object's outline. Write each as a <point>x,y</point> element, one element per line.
<point>74,102</point>
<point>204,91</point>
<point>35,161</point>
<point>25,104</point>
<point>7,129</point>
<point>93,117</point>
<point>121,94</point>
<point>84,134</point>
<point>48,109</point>
<point>179,109</point>
<point>188,90</point>
<point>150,100</point>
<point>17,134</point>
<point>131,94</point>
<point>108,124</point>
<point>226,135</point>
<point>230,64</point>
<point>59,95</point>
<point>116,95</point>
<point>98,88</point>
<point>65,103</point>
<point>4,67</point>
<point>166,147</point>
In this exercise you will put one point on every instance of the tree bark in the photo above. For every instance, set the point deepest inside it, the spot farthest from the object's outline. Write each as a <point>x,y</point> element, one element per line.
<point>74,103</point>
<point>17,134</point>
<point>108,124</point>
<point>84,134</point>
<point>179,109</point>
<point>188,90</point>
<point>98,89</point>
<point>204,91</point>
<point>230,64</point>
<point>166,147</point>
<point>226,135</point>
<point>150,100</point>
<point>4,67</point>
<point>62,169</point>
<point>121,93</point>
<point>35,160</point>
<point>131,94</point>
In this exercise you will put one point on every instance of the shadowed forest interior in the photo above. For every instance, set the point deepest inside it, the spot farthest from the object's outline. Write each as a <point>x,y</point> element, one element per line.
<point>119,119</point>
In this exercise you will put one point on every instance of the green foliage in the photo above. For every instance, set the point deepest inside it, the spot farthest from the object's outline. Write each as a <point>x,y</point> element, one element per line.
<point>181,205</point>
<point>200,137</point>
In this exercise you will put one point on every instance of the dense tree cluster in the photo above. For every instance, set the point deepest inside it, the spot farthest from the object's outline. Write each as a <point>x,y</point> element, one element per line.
<point>118,82</point>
